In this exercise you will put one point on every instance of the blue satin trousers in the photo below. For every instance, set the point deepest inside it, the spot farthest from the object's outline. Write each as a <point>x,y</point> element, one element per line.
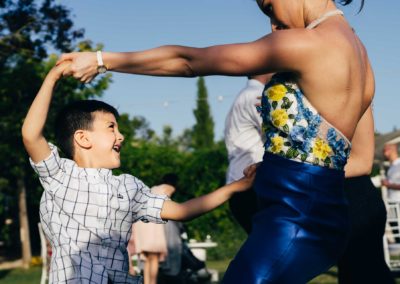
<point>301,228</point>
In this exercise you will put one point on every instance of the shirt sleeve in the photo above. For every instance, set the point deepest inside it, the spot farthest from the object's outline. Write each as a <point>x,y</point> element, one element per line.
<point>254,111</point>
<point>147,206</point>
<point>49,169</point>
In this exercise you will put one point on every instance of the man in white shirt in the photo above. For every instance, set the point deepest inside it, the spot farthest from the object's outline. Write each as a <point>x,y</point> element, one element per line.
<point>244,143</point>
<point>393,175</point>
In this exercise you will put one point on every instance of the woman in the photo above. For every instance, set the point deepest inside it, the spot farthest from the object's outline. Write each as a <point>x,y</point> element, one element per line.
<point>323,86</point>
<point>149,241</point>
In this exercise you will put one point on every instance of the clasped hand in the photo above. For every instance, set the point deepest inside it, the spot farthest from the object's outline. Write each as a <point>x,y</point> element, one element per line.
<point>83,65</point>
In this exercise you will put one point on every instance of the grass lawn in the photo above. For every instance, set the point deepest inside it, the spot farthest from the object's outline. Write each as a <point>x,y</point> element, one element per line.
<point>329,278</point>
<point>21,276</point>
<point>32,275</point>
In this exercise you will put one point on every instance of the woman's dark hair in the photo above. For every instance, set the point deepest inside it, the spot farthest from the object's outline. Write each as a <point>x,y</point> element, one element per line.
<point>75,116</point>
<point>347,2</point>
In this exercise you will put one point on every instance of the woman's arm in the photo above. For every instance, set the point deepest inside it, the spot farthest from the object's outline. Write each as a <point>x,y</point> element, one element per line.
<point>284,50</point>
<point>363,147</point>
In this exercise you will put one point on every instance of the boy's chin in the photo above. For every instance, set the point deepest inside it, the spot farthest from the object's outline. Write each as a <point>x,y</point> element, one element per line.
<point>112,165</point>
<point>115,166</point>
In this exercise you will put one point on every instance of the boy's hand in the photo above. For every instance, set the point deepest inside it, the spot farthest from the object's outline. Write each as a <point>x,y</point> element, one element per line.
<point>246,182</point>
<point>60,70</point>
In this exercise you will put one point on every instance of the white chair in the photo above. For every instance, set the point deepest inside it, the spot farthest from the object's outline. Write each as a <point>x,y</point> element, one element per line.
<point>43,254</point>
<point>392,235</point>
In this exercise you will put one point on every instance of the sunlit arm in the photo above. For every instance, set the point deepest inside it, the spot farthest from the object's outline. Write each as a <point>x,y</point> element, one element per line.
<point>394,186</point>
<point>363,147</point>
<point>32,129</point>
<point>272,53</point>
<point>197,206</point>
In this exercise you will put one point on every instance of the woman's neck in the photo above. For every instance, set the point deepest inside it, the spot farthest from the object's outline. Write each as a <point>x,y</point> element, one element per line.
<point>314,11</point>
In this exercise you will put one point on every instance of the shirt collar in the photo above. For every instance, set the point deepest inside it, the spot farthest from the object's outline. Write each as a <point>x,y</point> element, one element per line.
<point>254,83</point>
<point>94,172</point>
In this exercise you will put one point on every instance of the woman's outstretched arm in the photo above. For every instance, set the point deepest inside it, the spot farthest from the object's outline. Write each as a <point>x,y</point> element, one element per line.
<point>279,51</point>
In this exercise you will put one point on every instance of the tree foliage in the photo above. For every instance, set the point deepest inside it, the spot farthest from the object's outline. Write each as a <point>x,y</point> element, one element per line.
<point>28,29</point>
<point>203,130</point>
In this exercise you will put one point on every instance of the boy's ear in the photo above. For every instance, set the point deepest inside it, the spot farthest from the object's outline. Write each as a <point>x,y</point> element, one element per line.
<point>82,138</point>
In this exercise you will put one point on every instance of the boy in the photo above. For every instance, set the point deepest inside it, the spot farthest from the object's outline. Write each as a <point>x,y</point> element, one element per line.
<point>86,211</point>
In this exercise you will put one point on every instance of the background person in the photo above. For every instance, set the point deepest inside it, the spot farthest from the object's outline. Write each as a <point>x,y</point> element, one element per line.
<point>150,242</point>
<point>245,146</point>
<point>392,181</point>
<point>363,260</point>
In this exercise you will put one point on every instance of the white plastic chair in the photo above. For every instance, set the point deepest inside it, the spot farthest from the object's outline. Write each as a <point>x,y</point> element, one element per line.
<point>392,235</point>
<point>43,253</point>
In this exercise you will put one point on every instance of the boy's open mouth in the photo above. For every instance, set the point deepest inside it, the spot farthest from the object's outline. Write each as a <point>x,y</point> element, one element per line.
<point>117,148</point>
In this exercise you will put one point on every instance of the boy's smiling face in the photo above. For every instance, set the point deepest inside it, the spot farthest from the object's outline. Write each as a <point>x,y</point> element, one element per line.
<point>106,141</point>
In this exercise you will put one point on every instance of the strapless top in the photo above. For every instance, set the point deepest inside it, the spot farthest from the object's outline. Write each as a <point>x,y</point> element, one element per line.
<point>295,130</point>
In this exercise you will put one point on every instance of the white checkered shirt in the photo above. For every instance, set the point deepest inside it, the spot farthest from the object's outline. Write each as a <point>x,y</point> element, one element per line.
<point>87,215</point>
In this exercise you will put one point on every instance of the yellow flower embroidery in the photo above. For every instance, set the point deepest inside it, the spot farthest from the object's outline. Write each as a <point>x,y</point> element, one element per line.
<point>321,150</point>
<point>276,92</point>
<point>279,117</point>
<point>277,144</point>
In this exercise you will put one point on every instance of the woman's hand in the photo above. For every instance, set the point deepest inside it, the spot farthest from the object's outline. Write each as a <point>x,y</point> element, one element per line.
<point>83,65</point>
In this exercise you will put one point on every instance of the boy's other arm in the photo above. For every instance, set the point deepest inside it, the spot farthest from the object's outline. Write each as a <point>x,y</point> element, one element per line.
<point>197,206</point>
<point>32,129</point>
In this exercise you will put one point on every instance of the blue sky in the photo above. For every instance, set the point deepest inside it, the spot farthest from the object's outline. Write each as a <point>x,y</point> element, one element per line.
<point>126,25</point>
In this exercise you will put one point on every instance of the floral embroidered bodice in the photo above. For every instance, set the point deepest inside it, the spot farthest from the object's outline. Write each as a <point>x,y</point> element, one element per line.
<point>295,130</point>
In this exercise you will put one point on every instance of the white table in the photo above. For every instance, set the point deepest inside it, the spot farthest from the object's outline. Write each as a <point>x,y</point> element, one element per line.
<point>199,249</point>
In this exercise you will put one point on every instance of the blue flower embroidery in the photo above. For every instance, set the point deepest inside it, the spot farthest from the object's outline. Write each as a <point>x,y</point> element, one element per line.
<point>301,128</point>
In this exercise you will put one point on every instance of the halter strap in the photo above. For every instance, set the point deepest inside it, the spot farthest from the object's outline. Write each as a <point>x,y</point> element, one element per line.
<point>325,16</point>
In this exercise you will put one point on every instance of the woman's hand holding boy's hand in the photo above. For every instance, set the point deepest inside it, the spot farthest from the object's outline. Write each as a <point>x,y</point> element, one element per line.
<point>83,65</point>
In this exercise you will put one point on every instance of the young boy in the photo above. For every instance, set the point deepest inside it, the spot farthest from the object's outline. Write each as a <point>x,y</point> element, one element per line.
<point>85,210</point>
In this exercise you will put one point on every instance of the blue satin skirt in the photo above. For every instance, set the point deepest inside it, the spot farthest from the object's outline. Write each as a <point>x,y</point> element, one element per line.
<point>301,228</point>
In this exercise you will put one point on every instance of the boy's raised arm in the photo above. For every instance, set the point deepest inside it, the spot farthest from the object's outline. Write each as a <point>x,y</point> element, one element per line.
<point>32,129</point>
<point>197,206</point>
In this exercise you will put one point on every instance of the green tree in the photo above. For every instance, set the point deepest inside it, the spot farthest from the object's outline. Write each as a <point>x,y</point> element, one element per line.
<point>28,29</point>
<point>203,130</point>
<point>135,129</point>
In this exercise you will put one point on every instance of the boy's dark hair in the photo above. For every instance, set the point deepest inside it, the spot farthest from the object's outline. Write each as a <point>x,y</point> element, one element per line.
<point>74,116</point>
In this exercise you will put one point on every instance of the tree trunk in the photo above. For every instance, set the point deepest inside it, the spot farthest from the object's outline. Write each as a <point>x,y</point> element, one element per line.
<point>24,224</point>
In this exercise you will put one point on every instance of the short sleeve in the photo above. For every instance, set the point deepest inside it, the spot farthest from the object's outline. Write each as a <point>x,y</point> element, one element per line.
<point>146,206</point>
<point>49,169</point>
